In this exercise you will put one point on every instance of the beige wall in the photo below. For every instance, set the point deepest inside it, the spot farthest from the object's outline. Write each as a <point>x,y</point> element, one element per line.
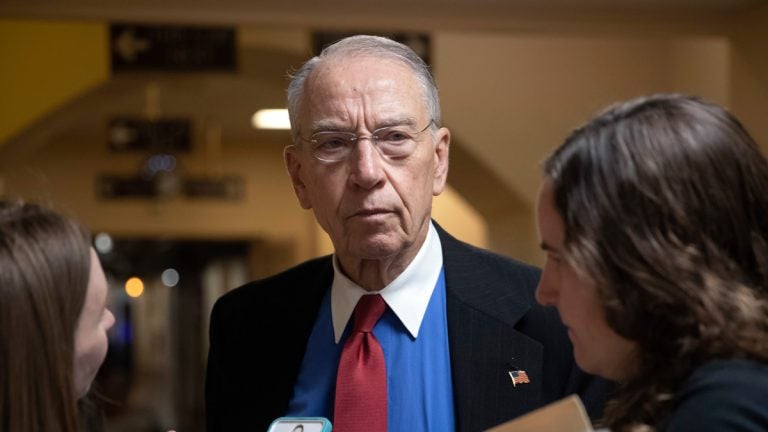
<point>749,72</point>
<point>65,174</point>
<point>511,98</point>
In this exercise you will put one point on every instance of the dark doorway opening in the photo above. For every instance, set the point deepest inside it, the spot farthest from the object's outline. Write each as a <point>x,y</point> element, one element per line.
<point>152,379</point>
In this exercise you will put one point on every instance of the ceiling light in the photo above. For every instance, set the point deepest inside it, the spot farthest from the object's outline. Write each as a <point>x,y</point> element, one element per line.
<point>271,119</point>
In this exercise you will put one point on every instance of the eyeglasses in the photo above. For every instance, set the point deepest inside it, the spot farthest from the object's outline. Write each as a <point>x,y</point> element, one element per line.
<point>391,141</point>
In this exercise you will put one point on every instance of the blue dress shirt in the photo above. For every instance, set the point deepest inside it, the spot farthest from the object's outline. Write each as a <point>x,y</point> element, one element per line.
<point>419,390</point>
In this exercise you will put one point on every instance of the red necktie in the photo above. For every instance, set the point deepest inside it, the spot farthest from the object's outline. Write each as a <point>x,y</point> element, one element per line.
<point>361,383</point>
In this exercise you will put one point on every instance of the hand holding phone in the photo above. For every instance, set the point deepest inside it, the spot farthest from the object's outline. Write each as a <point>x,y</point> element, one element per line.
<point>300,424</point>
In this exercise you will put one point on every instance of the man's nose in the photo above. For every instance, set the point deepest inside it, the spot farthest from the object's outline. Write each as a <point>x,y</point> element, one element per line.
<point>367,165</point>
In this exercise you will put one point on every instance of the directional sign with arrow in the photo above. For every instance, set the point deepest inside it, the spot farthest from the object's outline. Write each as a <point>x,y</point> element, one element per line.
<point>125,134</point>
<point>137,47</point>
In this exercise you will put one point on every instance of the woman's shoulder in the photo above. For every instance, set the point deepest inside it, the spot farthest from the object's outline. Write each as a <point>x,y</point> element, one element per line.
<point>735,374</point>
<point>723,395</point>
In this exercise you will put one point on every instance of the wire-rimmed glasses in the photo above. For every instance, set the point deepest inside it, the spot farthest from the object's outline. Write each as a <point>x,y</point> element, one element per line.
<point>391,141</point>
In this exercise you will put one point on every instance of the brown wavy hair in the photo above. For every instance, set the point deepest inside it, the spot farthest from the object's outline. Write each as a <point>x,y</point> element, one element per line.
<point>665,204</point>
<point>44,272</point>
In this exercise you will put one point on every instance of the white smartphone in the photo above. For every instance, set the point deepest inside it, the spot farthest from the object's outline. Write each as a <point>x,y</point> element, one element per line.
<point>300,424</point>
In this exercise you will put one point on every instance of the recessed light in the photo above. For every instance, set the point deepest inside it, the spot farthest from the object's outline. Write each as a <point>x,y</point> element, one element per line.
<point>271,119</point>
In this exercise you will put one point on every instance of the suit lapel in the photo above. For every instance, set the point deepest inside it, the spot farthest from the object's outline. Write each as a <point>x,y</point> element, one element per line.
<point>483,307</point>
<point>305,292</point>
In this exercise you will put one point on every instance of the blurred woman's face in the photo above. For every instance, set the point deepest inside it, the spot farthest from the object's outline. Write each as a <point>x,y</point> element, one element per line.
<point>596,347</point>
<point>91,333</point>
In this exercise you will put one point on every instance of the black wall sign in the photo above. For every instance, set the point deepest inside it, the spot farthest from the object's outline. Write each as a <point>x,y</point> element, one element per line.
<point>113,186</point>
<point>116,186</point>
<point>170,135</point>
<point>137,47</point>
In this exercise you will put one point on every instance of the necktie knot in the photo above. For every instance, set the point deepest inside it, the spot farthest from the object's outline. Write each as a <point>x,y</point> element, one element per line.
<point>367,312</point>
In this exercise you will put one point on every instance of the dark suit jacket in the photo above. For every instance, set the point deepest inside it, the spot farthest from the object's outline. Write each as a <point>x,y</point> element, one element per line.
<point>259,332</point>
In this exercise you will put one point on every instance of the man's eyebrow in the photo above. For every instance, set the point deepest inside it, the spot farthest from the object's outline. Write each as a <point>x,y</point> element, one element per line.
<point>396,121</point>
<point>327,125</point>
<point>333,125</point>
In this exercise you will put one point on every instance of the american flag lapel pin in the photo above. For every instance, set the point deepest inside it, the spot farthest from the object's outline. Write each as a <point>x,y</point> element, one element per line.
<point>518,377</point>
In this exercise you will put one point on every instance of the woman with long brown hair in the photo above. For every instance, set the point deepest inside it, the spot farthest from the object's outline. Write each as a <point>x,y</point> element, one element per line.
<point>53,318</point>
<point>654,219</point>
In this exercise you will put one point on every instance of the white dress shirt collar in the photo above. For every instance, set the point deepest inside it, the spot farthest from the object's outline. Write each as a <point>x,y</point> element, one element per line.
<point>408,295</point>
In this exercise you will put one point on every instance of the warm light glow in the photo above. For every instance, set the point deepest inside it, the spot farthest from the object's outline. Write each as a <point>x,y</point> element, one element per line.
<point>134,287</point>
<point>271,119</point>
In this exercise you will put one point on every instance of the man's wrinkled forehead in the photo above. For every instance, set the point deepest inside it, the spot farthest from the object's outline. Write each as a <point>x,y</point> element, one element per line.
<point>329,68</point>
<point>358,75</point>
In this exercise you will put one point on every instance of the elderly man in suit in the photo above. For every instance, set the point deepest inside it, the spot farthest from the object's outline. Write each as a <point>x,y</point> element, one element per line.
<point>456,340</point>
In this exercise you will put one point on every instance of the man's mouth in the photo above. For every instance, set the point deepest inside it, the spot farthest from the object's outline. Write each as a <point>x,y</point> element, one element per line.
<point>371,212</point>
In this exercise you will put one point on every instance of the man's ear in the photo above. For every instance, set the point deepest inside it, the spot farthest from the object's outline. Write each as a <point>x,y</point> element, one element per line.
<point>294,164</point>
<point>442,146</point>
